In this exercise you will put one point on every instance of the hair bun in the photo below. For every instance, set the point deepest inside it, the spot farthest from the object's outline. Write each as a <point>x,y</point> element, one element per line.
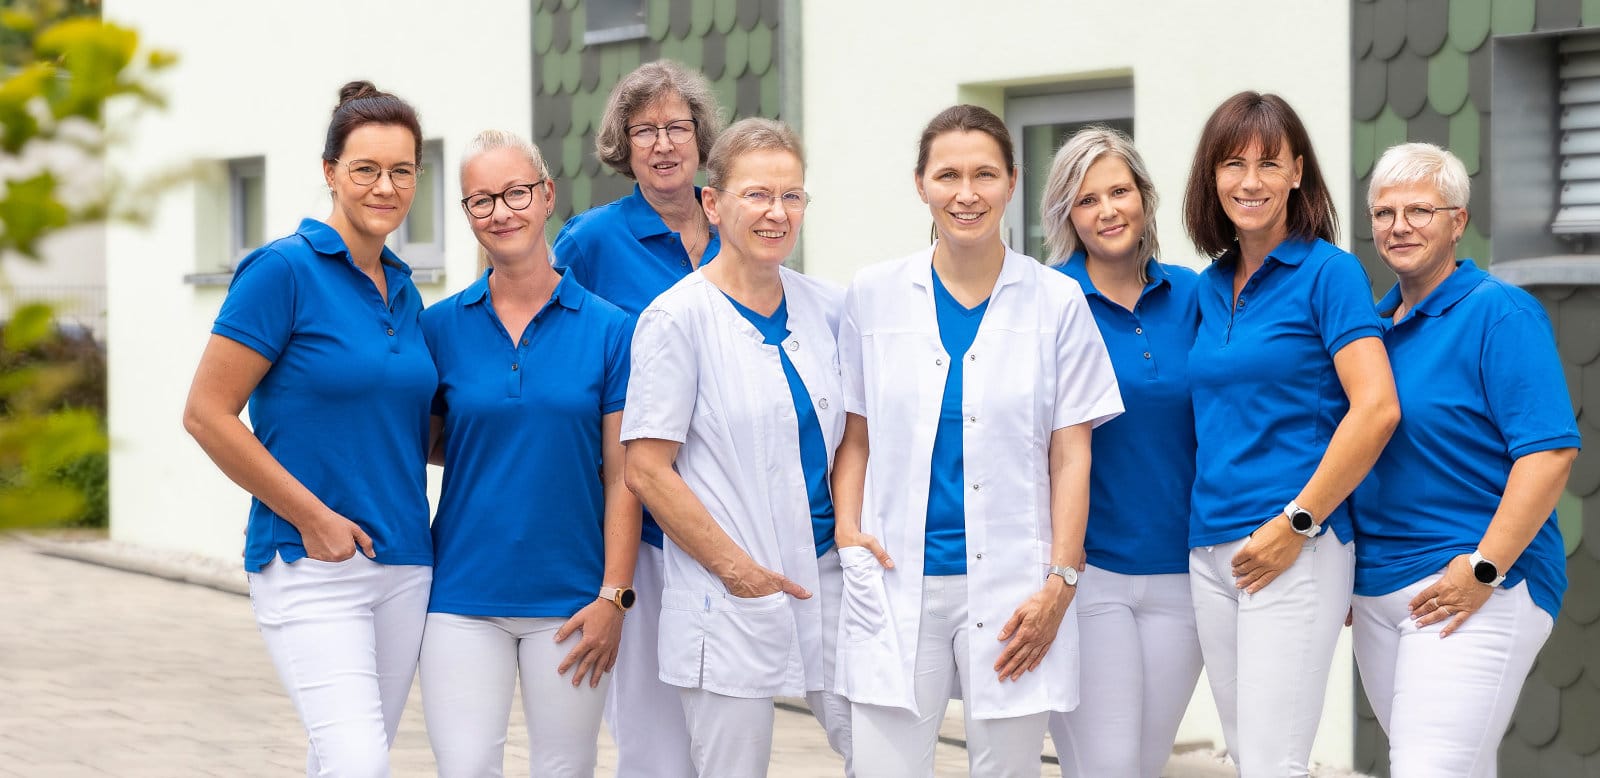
<point>356,90</point>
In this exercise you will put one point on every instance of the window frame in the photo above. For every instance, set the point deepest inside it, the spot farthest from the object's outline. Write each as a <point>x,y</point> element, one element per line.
<point>426,258</point>
<point>1054,104</point>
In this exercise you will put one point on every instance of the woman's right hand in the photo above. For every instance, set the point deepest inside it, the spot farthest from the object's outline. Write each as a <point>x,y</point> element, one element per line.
<point>335,539</point>
<point>868,542</point>
<point>753,580</point>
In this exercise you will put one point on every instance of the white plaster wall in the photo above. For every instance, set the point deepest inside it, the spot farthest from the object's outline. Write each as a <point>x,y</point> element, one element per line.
<point>261,79</point>
<point>874,73</point>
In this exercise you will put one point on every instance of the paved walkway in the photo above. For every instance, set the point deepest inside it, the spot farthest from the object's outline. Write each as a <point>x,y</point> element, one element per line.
<point>104,672</point>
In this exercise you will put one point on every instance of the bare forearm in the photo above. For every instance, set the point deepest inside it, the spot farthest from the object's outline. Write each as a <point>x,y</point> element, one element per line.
<point>1532,490</point>
<point>849,478</point>
<point>1069,494</point>
<point>686,521</point>
<point>622,510</point>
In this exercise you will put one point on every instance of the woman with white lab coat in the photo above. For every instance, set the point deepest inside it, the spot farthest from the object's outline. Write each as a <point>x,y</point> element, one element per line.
<point>973,376</point>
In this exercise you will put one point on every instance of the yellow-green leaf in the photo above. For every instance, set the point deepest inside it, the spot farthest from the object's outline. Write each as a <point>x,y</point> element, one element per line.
<point>39,505</point>
<point>29,324</point>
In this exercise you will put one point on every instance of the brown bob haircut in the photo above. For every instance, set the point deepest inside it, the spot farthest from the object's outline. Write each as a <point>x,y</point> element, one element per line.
<point>648,83</point>
<point>1241,119</point>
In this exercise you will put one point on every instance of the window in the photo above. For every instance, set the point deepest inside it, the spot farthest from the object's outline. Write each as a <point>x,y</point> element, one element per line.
<point>1040,123</point>
<point>420,239</point>
<point>247,207</point>
<point>609,21</point>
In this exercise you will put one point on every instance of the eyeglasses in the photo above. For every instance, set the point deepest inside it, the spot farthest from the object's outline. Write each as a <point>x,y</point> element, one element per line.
<point>516,198</point>
<point>365,172</point>
<point>679,132</point>
<point>794,200</point>
<point>1418,215</point>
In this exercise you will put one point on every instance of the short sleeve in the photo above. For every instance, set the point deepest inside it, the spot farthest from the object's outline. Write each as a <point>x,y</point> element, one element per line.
<point>1524,385</point>
<point>259,309</point>
<point>1086,384</point>
<point>850,364</point>
<point>663,381</point>
<point>1341,304</point>
<point>568,255</point>
<point>618,356</point>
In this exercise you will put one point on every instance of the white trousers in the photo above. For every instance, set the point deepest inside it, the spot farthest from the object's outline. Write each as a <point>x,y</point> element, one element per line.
<point>1139,659</point>
<point>1267,655</point>
<point>344,638</point>
<point>893,741</point>
<point>470,664</point>
<point>644,714</point>
<point>1445,704</point>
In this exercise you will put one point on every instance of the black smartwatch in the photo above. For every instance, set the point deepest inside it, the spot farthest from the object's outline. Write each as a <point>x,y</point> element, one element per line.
<point>620,596</point>
<point>1300,520</point>
<point>1487,573</point>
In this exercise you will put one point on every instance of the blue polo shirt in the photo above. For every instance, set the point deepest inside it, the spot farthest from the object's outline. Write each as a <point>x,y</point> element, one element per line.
<point>1266,396</point>
<point>520,527</point>
<point>813,451</point>
<point>1480,386</point>
<point>344,407</point>
<point>945,531</point>
<point>1144,459</point>
<point>624,252</point>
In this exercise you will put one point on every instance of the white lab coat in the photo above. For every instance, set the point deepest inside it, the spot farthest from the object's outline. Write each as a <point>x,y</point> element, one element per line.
<point>703,377</point>
<point>1038,365</point>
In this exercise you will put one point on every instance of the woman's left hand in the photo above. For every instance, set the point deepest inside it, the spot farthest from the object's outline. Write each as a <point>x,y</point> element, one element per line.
<point>600,623</point>
<point>1271,549</point>
<point>1032,628</point>
<point>1455,596</point>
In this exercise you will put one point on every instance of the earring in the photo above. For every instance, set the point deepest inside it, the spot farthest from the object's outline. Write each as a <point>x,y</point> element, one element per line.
<point>1297,185</point>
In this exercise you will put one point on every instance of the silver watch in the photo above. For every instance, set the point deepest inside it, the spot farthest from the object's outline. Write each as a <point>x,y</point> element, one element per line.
<point>1068,573</point>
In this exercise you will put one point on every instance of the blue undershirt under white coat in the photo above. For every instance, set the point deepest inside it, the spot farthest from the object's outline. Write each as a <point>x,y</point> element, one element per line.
<point>1144,460</point>
<point>813,451</point>
<point>945,549</point>
<point>344,406</point>
<point>520,526</point>
<point>1266,395</point>
<point>624,252</point>
<point>1480,385</point>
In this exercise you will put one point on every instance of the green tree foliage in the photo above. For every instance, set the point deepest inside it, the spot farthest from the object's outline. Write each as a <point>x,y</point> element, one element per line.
<point>60,67</point>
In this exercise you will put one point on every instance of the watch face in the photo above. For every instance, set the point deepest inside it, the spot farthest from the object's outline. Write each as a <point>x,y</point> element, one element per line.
<point>625,598</point>
<point>1301,521</point>
<point>1485,572</point>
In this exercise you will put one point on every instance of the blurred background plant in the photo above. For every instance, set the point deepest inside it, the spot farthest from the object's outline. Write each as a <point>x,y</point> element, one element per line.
<point>61,67</point>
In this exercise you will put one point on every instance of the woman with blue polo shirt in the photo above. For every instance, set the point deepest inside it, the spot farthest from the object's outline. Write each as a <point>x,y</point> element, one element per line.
<point>1293,400</point>
<point>320,334</point>
<point>973,377</point>
<point>733,416</point>
<point>536,533</point>
<point>657,129</point>
<point>1460,566</point>
<point>1140,655</point>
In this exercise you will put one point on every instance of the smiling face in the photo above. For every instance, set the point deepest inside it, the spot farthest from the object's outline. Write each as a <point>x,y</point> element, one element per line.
<point>755,233</point>
<point>1109,213</point>
<point>966,185</point>
<point>1254,190</point>
<point>1418,255</point>
<point>664,168</point>
<point>506,233</point>
<point>374,210</point>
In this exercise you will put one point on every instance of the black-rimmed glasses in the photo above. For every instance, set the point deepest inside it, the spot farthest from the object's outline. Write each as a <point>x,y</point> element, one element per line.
<point>1418,215</point>
<point>644,135</point>
<point>515,197</point>
<point>365,172</point>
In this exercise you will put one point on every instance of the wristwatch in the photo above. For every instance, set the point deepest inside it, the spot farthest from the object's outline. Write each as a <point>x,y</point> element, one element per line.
<point>1487,573</point>
<point>1068,573</point>
<point>1300,520</point>
<point>620,596</point>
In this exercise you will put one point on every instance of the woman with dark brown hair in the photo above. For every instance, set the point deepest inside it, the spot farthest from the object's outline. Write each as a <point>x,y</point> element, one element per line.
<point>320,333</point>
<point>1293,401</point>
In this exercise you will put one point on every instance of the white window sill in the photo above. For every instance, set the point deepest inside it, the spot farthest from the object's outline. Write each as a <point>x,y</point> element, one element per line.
<point>1558,270</point>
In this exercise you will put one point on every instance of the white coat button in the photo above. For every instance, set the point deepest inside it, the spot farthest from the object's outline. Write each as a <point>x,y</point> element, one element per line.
<point>980,625</point>
<point>938,360</point>
<point>794,345</point>
<point>972,420</point>
<point>980,556</point>
<point>976,487</point>
<point>823,403</point>
<point>972,357</point>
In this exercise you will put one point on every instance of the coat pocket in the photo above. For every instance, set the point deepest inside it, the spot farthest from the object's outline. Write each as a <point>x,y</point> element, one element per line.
<point>748,641</point>
<point>864,603</point>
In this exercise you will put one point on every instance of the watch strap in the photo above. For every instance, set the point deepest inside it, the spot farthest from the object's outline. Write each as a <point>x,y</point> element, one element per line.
<point>1481,565</point>
<point>1069,574</point>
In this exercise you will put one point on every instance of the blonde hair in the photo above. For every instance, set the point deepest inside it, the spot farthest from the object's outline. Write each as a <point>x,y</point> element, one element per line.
<point>491,140</point>
<point>745,136</point>
<point>1067,171</point>
<point>1421,163</point>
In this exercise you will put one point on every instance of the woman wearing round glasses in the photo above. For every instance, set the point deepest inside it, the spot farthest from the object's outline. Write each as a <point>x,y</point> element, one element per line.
<point>320,334</point>
<point>733,415</point>
<point>1460,566</point>
<point>657,128</point>
<point>530,571</point>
